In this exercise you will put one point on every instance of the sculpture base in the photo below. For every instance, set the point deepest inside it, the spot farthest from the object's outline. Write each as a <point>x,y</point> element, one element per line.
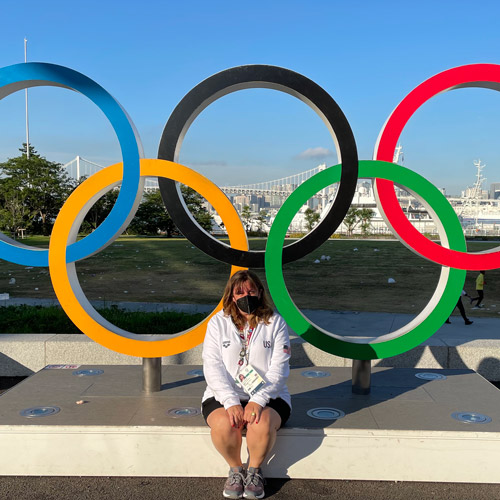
<point>403,430</point>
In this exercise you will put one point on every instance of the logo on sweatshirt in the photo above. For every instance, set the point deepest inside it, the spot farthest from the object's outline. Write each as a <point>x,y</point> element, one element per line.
<point>226,343</point>
<point>266,343</point>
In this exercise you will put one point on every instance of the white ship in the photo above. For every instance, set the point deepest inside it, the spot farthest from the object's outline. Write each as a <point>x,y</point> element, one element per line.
<point>478,210</point>
<point>364,198</point>
<point>478,213</point>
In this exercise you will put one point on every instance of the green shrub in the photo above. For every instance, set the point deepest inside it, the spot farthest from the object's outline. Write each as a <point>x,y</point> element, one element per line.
<point>38,319</point>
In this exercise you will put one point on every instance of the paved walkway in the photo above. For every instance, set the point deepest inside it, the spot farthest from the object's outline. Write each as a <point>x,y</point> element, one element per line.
<point>210,488</point>
<point>349,323</point>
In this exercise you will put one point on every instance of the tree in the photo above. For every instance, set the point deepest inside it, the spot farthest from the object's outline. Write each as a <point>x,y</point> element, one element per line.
<point>32,191</point>
<point>13,212</point>
<point>195,202</point>
<point>351,220</point>
<point>365,216</point>
<point>311,218</point>
<point>261,219</point>
<point>153,218</point>
<point>355,216</point>
<point>246,215</point>
<point>99,210</point>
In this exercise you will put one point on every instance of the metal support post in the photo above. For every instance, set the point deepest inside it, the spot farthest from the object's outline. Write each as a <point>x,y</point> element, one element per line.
<point>361,376</point>
<point>151,375</point>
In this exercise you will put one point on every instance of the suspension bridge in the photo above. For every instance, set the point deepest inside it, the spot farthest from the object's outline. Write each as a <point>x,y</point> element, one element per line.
<point>81,168</point>
<point>278,187</point>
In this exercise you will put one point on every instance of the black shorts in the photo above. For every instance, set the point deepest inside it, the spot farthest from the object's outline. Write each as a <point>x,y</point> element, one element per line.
<point>279,405</point>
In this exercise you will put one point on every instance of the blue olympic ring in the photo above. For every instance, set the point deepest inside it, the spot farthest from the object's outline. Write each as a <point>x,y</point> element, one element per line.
<point>27,75</point>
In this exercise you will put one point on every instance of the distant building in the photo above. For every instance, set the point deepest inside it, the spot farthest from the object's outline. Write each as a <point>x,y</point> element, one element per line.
<point>495,191</point>
<point>241,200</point>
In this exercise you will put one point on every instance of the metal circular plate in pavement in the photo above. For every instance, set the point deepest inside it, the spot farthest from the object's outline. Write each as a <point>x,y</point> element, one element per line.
<point>39,411</point>
<point>430,376</point>
<point>471,417</point>
<point>86,373</point>
<point>187,411</point>
<point>195,373</point>
<point>326,413</point>
<point>315,374</point>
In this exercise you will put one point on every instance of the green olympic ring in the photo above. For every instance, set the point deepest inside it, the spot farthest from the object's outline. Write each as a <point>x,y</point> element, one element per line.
<point>434,314</point>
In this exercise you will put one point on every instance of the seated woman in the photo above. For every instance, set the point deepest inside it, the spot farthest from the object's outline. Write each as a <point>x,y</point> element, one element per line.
<point>246,363</point>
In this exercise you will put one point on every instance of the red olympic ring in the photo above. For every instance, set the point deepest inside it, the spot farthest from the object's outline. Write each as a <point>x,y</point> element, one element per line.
<point>473,75</point>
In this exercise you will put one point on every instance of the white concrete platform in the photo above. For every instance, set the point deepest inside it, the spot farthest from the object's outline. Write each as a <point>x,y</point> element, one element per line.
<point>402,431</point>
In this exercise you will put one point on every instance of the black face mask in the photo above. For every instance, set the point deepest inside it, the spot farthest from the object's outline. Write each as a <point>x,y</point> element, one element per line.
<point>248,304</point>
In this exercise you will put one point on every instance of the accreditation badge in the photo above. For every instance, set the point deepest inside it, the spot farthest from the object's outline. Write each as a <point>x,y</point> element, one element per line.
<point>250,380</point>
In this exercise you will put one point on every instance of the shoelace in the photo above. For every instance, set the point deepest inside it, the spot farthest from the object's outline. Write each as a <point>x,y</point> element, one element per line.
<point>236,477</point>
<point>254,478</point>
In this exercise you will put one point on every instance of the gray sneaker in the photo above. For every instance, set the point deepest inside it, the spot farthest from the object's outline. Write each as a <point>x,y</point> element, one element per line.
<point>254,484</point>
<point>233,488</point>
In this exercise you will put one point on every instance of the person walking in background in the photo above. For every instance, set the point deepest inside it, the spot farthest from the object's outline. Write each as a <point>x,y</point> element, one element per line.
<point>479,289</point>
<point>461,308</point>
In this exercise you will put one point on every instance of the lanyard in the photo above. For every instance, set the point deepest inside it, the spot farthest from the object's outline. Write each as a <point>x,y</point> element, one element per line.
<point>245,342</point>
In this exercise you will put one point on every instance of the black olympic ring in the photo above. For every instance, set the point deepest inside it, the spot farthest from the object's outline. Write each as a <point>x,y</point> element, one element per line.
<point>246,77</point>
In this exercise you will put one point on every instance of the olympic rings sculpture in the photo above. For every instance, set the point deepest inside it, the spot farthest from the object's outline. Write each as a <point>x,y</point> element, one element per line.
<point>64,250</point>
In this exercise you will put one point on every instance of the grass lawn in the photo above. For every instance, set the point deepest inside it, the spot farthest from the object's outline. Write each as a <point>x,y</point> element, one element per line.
<point>172,270</point>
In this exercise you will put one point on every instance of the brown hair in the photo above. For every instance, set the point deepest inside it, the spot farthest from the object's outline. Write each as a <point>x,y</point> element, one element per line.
<point>260,315</point>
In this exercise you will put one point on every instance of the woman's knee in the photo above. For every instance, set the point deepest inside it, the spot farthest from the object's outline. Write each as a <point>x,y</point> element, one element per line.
<point>269,422</point>
<point>220,424</point>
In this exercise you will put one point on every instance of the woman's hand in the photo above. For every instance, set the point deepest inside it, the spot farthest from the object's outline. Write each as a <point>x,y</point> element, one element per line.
<point>252,413</point>
<point>235,414</point>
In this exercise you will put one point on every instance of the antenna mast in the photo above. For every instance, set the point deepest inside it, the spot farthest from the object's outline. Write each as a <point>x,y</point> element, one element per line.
<point>26,99</point>
<point>398,155</point>
<point>473,194</point>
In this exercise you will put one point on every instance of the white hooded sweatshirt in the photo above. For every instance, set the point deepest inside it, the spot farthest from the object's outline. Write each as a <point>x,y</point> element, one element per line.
<point>268,353</point>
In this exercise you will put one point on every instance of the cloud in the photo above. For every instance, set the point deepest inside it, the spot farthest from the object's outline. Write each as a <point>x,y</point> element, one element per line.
<point>315,154</point>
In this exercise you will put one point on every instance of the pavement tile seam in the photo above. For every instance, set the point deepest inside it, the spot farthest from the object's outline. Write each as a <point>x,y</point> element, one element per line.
<point>374,418</point>
<point>429,394</point>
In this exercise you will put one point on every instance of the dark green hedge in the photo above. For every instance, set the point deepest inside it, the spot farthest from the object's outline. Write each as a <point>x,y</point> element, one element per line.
<point>38,319</point>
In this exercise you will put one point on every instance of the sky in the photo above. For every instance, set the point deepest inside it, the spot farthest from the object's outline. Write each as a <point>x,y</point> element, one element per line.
<point>367,55</point>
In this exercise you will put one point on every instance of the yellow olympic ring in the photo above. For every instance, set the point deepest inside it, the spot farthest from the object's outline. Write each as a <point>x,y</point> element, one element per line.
<point>65,281</point>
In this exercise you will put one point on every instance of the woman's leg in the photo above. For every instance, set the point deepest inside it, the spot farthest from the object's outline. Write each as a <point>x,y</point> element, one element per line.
<point>262,436</point>
<point>226,439</point>
<point>480,298</point>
